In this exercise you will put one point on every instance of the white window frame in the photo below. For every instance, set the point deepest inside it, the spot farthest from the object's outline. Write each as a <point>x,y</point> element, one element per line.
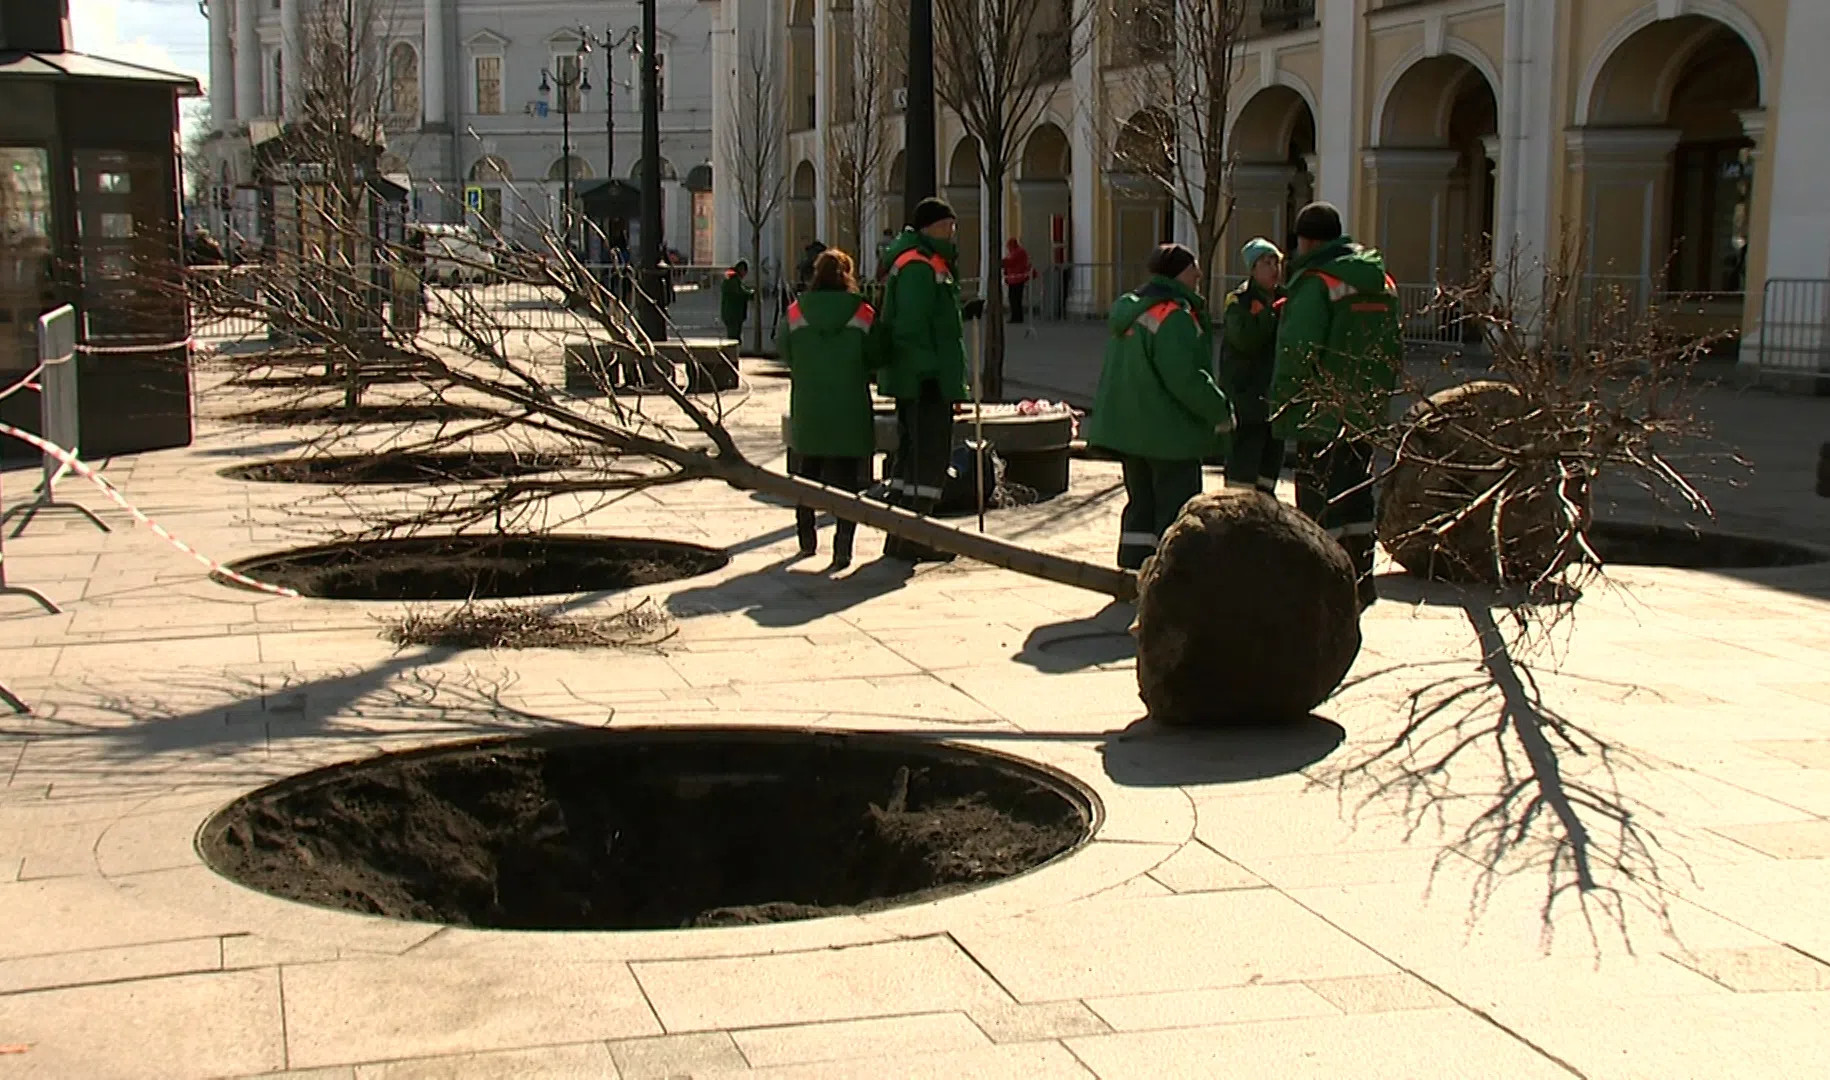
<point>563,48</point>
<point>486,43</point>
<point>419,80</point>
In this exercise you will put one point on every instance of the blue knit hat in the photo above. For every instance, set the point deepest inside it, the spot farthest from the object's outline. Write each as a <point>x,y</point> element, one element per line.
<point>1257,248</point>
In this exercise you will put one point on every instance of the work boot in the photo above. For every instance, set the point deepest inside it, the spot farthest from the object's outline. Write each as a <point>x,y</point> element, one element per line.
<point>804,529</point>
<point>841,544</point>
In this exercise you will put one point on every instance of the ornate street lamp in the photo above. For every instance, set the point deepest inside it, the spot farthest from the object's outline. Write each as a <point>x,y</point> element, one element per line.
<point>578,80</point>
<point>631,38</point>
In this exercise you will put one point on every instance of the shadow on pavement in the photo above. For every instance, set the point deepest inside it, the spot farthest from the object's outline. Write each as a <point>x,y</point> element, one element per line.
<point>1102,638</point>
<point>777,596</point>
<point>1149,754</point>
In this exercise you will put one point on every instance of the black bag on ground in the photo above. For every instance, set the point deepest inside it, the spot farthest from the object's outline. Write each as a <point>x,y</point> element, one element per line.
<point>960,493</point>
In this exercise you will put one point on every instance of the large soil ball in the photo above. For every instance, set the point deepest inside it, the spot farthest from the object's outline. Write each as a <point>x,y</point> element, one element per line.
<point>1439,514</point>
<point>1247,615</point>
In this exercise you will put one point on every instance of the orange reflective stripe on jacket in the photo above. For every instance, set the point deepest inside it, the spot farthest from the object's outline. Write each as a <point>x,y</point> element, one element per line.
<point>1152,319</point>
<point>795,319</point>
<point>862,318</point>
<point>916,255</point>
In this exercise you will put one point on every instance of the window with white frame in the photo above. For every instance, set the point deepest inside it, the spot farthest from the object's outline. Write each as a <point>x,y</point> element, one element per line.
<point>565,69</point>
<point>486,77</point>
<point>403,81</point>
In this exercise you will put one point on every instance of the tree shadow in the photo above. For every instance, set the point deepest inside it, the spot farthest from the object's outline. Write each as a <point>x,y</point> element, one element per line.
<point>1098,639</point>
<point>775,596</point>
<point>1488,735</point>
<point>1404,587</point>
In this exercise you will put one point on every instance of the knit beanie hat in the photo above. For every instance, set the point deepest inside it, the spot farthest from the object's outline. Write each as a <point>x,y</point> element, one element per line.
<point>1170,260</point>
<point>1257,248</point>
<point>1319,221</point>
<point>932,211</point>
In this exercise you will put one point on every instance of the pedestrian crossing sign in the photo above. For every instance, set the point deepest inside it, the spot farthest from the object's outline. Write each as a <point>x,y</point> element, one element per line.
<point>473,199</point>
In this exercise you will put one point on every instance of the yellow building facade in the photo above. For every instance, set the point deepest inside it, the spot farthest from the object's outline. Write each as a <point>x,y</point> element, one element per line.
<point>1681,143</point>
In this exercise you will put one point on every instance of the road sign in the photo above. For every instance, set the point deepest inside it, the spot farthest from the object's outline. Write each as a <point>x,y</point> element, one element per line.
<point>473,199</point>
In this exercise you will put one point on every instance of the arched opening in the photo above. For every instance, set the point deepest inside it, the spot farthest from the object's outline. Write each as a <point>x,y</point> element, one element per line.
<point>1274,139</point>
<point>1143,158</point>
<point>802,100</point>
<point>801,219</point>
<point>1045,198</point>
<point>490,174</point>
<point>403,82</point>
<point>962,191</point>
<point>1433,171</point>
<point>1689,85</point>
<point>572,167</point>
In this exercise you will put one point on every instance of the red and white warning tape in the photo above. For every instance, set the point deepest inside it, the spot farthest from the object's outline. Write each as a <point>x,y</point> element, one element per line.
<point>75,465</point>
<point>129,350</point>
<point>28,381</point>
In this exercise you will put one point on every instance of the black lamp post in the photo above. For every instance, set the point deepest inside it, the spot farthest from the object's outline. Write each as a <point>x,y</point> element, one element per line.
<point>649,315</point>
<point>609,44</point>
<point>579,80</point>
<point>919,179</point>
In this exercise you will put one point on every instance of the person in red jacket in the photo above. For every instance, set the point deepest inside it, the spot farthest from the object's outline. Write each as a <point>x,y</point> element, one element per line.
<point>1018,273</point>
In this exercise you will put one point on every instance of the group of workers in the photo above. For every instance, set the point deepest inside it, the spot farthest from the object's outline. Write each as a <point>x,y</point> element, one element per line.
<point>1311,358</point>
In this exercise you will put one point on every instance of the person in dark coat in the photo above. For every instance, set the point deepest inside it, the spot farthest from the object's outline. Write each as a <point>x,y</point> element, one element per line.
<point>1249,362</point>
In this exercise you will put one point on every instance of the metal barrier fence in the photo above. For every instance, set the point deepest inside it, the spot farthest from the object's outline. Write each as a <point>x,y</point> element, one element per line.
<point>1794,328</point>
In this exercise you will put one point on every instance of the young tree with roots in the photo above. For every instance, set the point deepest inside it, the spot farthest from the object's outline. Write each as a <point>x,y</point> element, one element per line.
<point>1181,58</point>
<point>754,143</point>
<point>997,64</point>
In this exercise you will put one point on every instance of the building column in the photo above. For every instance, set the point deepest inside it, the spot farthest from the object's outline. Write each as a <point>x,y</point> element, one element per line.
<point>247,61</point>
<point>1337,132</point>
<point>1624,175</point>
<point>292,45</point>
<point>1410,201</point>
<point>432,67</point>
<point>1798,231</point>
<point>823,86</point>
<point>222,69</point>
<point>1085,181</point>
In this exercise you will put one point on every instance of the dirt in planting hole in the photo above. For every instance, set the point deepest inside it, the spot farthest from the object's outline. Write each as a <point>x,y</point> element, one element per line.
<point>532,838</point>
<point>401,468</point>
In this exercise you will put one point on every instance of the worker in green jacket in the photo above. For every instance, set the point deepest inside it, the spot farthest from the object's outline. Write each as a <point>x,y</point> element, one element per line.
<point>926,369</point>
<point>1247,365</point>
<point>1339,352</point>
<point>827,350</point>
<point>734,299</point>
<point>1158,407</point>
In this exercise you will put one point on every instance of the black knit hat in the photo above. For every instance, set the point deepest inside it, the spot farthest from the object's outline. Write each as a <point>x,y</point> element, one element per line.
<point>1319,221</point>
<point>1170,260</point>
<point>932,211</point>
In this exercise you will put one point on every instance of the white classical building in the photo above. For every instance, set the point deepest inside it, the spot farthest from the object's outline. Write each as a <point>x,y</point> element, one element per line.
<point>461,83</point>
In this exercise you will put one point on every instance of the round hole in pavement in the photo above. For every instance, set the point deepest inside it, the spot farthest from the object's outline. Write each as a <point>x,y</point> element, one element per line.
<point>649,828</point>
<point>482,567</point>
<point>440,412</point>
<point>1625,543</point>
<point>400,468</point>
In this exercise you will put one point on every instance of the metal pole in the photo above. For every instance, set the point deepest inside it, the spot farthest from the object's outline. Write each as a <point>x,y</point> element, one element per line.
<point>978,418</point>
<point>609,115</point>
<point>565,157</point>
<point>920,177</point>
<point>649,315</point>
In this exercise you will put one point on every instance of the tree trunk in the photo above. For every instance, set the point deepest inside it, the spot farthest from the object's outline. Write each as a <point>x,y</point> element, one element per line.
<point>756,268</point>
<point>1105,580</point>
<point>991,278</point>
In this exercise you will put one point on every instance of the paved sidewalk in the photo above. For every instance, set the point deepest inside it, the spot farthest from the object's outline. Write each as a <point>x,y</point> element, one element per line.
<point>1613,865</point>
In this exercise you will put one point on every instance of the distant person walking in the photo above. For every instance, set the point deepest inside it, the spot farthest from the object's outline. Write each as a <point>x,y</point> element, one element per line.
<point>1247,365</point>
<point>1018,273</point>
<point>734,299</point>
<point>1339,352</point>
<point>830,426</point>
<point>1158,407</point>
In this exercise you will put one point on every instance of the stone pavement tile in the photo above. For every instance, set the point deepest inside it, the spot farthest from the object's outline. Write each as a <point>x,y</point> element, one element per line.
<point>351,1011</point>
<point>1203,1008</point>
<point>458,944</point>
<point>153,655</point>
<point>1023,1061</point>
<point>79,913</point>
<point>1052,702</point>
<point>914,697</point>
<point>1103,948</point>
<point>1782,899</point>
<point>61,969</point>
<point>580,1061</point>
<point>205,898</point>
<point>663,1057</point>
<point>30,663</point>
<point>1434,1045</point>
<point>181,1027</point>
<point>1394,866</point>
<point>1765,969</point>
<point>343,1072</point>
<point>1723,1037</point>
<point>1818,692</point>
<point>1198,868</point>
<point>1035,1023</point>
<point>1317,821</point>
<point>882,1037</point>
<point>1399,992</point>
<point>1784,839</point>
<point>896,978</point>
<point>1811,753</point>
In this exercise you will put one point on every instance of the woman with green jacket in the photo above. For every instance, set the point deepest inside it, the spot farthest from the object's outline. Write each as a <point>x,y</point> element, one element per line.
<point>1158,407</point>
<point>827,350</point>
<point>1252,311</point>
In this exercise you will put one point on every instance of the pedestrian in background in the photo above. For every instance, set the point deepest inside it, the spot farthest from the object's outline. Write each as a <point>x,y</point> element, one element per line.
<point>734,299</point>
<point>827,349</point>
<point>1018,273</point>
<point>1247,365</point>
<point>1158,406</point>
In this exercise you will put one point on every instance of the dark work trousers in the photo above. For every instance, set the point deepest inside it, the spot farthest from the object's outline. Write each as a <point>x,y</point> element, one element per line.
<point>1155,492</point>
<point>1334,488</point>
<point>733,331</point>
<point>924,440</point>
<point>850,474</point>
<point>1016,301</point>
<point>1257,458</point>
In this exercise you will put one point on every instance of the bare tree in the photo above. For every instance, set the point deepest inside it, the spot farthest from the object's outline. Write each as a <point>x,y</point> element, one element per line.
<point>754,142</point>
<point>857,144</point>
<point>1181,58</point>
<point>997,63</point>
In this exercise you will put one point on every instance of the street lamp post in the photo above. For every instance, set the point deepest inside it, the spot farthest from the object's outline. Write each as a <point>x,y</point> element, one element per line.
<point>609,44</point>
<point>919,179</point>
<point>579,80</point>
<point>650,316</point>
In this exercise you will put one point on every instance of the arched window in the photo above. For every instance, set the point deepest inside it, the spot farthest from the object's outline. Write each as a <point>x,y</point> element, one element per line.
<point>403,80</point>
<point>580,170</point>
